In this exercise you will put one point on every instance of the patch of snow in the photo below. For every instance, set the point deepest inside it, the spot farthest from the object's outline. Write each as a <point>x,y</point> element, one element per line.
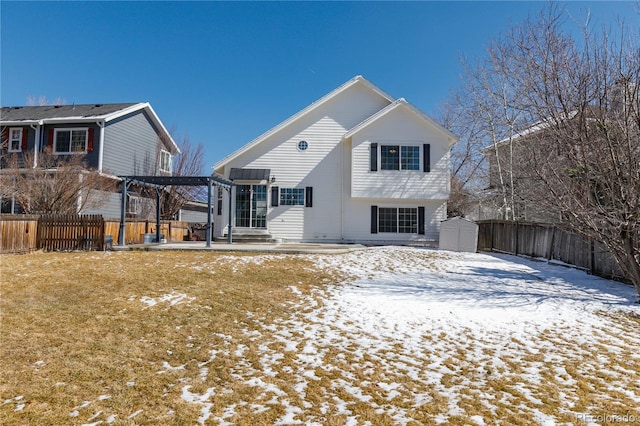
<point>132,415</point>
<point>172,299</point>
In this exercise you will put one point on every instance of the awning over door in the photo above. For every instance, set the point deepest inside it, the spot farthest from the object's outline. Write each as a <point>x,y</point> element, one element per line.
<point>257,175</point>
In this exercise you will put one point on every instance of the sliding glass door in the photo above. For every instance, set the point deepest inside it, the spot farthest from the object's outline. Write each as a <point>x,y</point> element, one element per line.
<point>251,206</point>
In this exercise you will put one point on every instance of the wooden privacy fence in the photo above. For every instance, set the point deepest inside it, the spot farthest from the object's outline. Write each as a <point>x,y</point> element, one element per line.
<point>70,232</point>
<point>24,233</point>
<point>134,230</point>
<point>18,233</point>
<point>548,242</point>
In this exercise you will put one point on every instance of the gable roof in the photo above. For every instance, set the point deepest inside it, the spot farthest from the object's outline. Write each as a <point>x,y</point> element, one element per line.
<point>402,103</point>
<point>86,113</point>
<point>36,113</point>
<point>314,106</point>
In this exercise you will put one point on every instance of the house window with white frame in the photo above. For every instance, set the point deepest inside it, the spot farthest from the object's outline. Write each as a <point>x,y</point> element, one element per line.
<point>399,157</point>
<point>15,140</point>
<point>403,220</point>
<point>292,196</point>
<point>133,205</point>
<point>70,141</point>
<point>165,161</point>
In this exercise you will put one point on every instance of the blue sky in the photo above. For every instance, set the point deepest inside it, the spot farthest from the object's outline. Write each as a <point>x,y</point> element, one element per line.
<point>225,72</point>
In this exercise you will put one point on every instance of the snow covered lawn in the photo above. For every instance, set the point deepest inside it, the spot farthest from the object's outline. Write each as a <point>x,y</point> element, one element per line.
<point>408,336</point>
<point>438,337</point>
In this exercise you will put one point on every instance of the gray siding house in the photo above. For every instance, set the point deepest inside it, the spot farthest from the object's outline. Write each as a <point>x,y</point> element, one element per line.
<point>114,139</point>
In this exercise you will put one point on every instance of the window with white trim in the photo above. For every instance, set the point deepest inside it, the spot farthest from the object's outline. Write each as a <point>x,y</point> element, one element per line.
<point>15,140</point>
<point>403,220</point>
<point>70,141</point>
<point>399,157</point>
<point>292,196</point>
<point>165,161</point>
<point>133,205</point>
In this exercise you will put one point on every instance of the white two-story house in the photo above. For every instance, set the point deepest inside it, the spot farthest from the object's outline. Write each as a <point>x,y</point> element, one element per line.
<point>355,166</point>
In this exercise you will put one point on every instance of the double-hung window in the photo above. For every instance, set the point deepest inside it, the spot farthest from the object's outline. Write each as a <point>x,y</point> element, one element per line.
<point>134,205</point>
<point>165,161</point>
<point>292,196</point>
<point>15,140</point>
<point>70,141</point>
<point>403,220</point>
<point>399,157</point>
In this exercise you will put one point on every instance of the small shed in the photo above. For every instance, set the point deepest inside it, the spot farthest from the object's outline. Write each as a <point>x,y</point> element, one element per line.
<point>459,234</point>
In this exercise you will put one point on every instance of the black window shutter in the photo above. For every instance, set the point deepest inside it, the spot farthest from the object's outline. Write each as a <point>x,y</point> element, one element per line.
<point>308,196</point>
<point>374,219</point>
<point>421,220</point>
<point>275,196</point>
<point>373,157</point>
<point>426,157</point>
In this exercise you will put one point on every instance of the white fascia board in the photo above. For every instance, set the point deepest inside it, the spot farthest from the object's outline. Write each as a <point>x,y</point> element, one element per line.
<point>313,106</point>
<point>452,138</point>
<point>19,122</point>
<point>156,119</point>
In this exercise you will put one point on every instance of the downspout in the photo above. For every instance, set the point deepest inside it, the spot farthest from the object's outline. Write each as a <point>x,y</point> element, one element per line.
<point>342,190</point>
<point>36,144</point>
<point>79,200</point>
<point>101,148</point>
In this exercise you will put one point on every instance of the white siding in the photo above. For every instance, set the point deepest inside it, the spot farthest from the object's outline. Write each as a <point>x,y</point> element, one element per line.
<point>357,221</point>
<point>400,128</point>
<point>338,171</point>
<point>320,166</point>
<point>108,205</point>
<point>131,146</point>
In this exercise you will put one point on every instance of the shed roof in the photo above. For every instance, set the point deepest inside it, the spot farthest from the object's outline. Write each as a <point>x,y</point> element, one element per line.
<point>250,174</point>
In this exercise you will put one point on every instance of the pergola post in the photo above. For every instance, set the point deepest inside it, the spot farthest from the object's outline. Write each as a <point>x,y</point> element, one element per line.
<point>158,214</point>
<point>208,213</point>
<point>161,182</point>
<point>123,207</point>
<point>230,226</point>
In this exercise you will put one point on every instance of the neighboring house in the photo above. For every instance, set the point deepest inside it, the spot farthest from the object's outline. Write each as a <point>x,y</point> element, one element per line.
<point>114,139</point>
<point>559,147</point>
<point>355,166</point>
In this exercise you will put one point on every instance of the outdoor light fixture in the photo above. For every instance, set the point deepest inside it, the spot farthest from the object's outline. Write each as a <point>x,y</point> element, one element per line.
<point>273,179</point>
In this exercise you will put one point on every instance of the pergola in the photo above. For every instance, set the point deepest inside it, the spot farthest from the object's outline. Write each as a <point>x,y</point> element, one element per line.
<point>161,182</point>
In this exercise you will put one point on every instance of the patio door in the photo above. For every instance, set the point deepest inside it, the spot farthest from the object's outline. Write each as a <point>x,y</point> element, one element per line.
<point>251,206</point>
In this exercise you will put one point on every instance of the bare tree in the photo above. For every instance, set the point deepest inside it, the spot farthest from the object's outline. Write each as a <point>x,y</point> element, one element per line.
<point>43,101</point>
<point>189,162</point>
<point>59,184</point>
<point>563,116</point>
<point>467,161</point>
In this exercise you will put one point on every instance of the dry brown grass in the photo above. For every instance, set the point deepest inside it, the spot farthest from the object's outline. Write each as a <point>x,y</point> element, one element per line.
<point>76,336</point>
<point>83,342</point>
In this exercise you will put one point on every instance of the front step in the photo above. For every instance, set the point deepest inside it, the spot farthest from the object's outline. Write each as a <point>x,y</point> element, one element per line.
<point>249,236</point>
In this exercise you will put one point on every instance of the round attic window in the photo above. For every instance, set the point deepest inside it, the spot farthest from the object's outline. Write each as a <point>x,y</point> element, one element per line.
<point>303,145</point>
